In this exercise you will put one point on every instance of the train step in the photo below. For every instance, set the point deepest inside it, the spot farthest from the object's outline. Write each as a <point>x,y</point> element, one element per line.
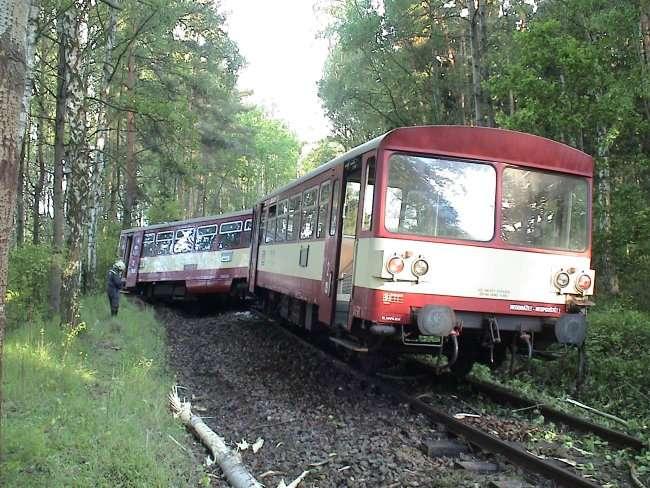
<point>352,346</point>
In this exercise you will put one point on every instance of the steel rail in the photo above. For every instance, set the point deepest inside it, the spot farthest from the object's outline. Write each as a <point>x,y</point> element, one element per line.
<point>504,395</point>
<point>513,453</point>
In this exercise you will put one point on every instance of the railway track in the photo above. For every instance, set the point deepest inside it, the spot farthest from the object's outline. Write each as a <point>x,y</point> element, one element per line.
<point>503,395</point>
<point>514,453</point>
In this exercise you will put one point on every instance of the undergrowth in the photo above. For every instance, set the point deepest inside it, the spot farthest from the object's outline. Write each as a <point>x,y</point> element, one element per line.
<point>87,407</point>
<point>618,347</point>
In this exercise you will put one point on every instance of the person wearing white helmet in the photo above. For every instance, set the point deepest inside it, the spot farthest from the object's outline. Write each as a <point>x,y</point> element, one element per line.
<point>114,284</point>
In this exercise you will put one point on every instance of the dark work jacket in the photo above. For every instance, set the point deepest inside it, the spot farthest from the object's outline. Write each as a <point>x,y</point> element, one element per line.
<point>113,283</point>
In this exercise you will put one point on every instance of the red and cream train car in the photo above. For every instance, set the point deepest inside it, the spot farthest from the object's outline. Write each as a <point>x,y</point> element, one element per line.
<point>200,256</point>
<point>479,236</point>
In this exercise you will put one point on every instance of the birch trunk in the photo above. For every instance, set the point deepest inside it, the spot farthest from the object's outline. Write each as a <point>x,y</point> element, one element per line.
<point>77,160</point>
<point>229,461</point>
<point>99,156</point>
<point>13,73</point>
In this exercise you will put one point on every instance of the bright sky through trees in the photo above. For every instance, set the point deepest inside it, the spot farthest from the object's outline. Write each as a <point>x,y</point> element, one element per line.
<point>284,59</point>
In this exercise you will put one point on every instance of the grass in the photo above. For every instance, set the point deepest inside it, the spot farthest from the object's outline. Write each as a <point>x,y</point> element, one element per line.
<point>87,407</point>
<point>618,346</point>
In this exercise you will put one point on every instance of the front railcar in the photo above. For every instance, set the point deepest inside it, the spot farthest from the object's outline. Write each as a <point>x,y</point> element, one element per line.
<point>480,241</point>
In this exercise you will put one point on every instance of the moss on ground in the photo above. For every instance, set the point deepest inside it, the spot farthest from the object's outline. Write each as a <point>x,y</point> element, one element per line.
<point>87,407</point>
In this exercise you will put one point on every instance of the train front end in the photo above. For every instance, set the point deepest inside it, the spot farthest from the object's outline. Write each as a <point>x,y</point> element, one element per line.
<point>480,243</point>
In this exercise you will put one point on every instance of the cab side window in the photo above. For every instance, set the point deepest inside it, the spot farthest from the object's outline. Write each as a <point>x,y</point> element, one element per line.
<point>369,196</point>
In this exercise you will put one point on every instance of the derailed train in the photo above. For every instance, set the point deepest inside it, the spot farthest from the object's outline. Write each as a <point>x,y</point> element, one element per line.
<point>452,240</point>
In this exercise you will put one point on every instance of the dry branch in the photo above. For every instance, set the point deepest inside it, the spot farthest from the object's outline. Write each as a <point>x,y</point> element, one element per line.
<point>229,461</point>
<point>599,412</point>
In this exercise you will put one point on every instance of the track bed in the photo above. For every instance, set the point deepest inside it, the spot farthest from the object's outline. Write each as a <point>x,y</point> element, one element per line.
<point>252,382</point>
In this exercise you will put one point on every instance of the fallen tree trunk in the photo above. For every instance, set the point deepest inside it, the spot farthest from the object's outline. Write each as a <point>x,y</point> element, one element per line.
<point>229,461</point>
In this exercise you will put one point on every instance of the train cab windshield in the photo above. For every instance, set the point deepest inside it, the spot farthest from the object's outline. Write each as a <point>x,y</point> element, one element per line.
<point>544,210</point>
<point>440,198</point>
<point>455,199</point>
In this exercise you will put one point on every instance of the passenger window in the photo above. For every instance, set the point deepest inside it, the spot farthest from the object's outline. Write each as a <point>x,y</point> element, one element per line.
<point>369,195</point>
<point>293,219</point>
<point>309,200</point>
<point>148,245</point>
<point>323,205</point>
<point>230,235</point>
<point>184,241</point>
<point>248,225</point>
<point>205,237</point>
<point>270,226</point>
<point>281,224</point>
<point>334,214</point>
<point>164,242</point>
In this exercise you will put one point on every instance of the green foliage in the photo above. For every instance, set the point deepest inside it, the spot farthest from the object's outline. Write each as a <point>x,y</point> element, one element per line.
<point>27,292</point>
<point>617,380</point>
<point>324,151</point>
<point>88,407</point>
<point>107,243</point>
<point>164,208</point>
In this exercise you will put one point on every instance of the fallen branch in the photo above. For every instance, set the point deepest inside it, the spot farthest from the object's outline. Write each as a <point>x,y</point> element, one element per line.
<point>635,478</point>
<point>599,412</point>
<point>295,482</point>
<point>229,461</point>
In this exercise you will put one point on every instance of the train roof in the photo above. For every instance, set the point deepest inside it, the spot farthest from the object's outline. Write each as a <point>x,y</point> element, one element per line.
<point>197,220</point>
<point>478,143</point>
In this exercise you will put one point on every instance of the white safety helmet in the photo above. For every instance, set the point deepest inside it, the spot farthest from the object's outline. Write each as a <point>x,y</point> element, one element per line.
<point>119,265</point>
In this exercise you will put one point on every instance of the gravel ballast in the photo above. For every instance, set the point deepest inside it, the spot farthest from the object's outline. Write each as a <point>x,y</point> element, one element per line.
<point>249,381</point>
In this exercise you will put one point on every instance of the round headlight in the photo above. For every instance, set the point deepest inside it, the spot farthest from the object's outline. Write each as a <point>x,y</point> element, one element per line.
<point>420,267</point>
<point>583,283</point>
<point>395,265</point>
<point>561,279</point>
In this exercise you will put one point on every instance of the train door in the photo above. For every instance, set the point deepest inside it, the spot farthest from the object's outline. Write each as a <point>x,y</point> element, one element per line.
<point>327,300</point>
<point>344,275</point>
<point>255,246</point>
<point>133,263</point>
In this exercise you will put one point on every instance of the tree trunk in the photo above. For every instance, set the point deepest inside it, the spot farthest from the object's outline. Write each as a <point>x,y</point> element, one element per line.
<point>13,73</point>
<point>57,191</point>
<point>77,162</point>
<point>608,268</point>
<point>644,25</point>
<point>20,196</point>
<point>99,156</point>
<point>131,167</point>
<point>644,28</point>
<point>40,181</point>
<point>483,112</point>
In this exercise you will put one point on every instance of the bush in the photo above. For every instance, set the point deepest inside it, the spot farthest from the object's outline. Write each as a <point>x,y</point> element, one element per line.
<point>27,288</point>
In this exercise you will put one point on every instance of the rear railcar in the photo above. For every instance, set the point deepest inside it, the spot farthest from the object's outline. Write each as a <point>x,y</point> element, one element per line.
<point>446,239</point>
<point>189,258</point>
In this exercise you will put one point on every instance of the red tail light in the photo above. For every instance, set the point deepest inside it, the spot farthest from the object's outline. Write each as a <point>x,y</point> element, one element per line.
<point>583,283</point>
